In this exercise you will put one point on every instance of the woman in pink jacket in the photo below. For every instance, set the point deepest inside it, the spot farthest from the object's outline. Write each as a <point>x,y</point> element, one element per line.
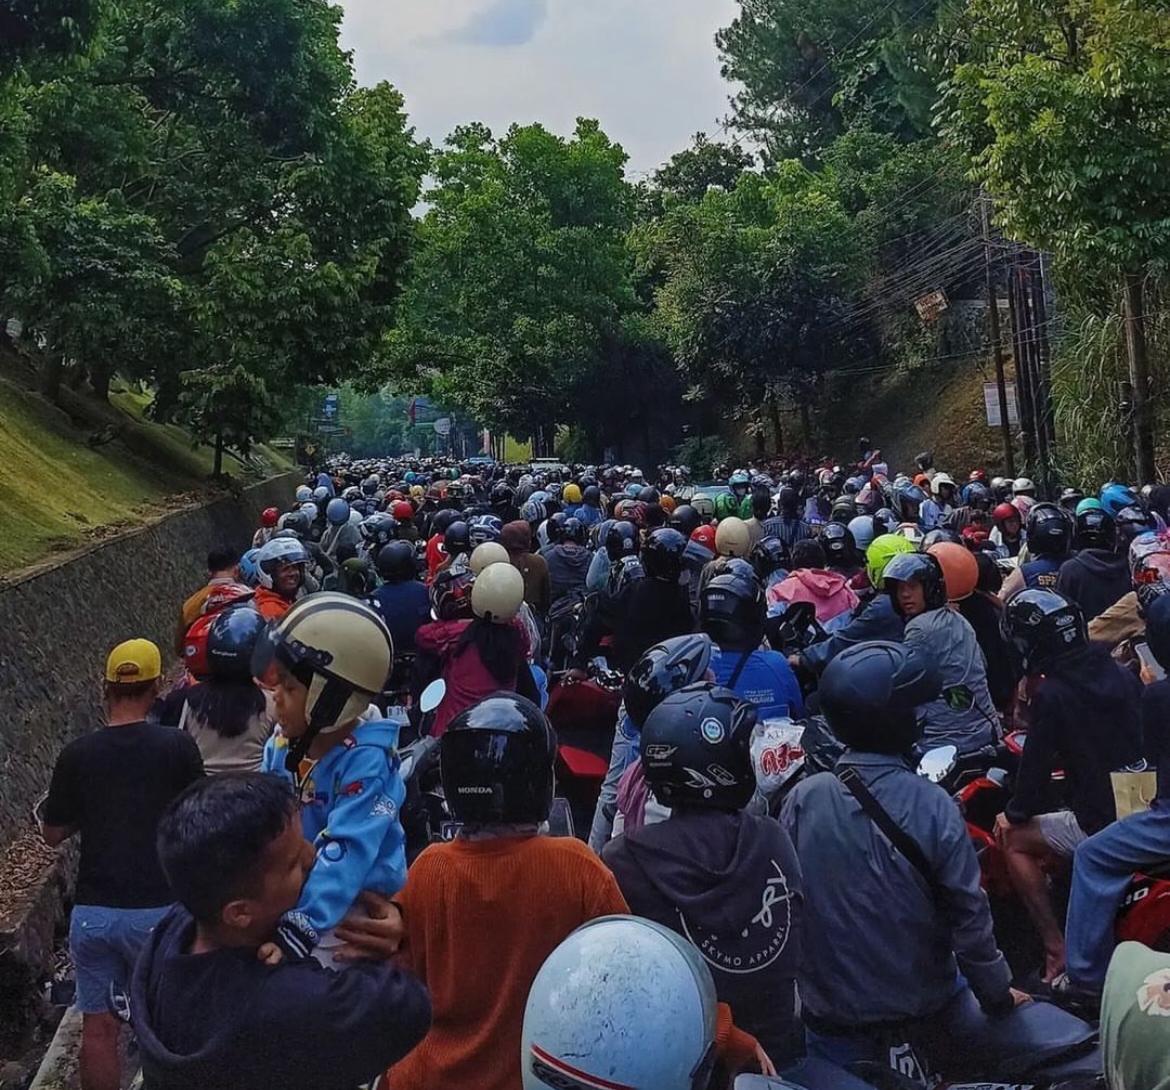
<point>809,581</point>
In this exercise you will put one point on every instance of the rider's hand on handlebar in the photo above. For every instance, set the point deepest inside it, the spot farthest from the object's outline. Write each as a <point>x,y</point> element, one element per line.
<point>576,675</point>
<point>374,932</point>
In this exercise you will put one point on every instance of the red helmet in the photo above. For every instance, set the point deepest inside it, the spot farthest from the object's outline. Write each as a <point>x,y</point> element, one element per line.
<point>269,516</point>
<point>395,494</point>
<point>705,536</point>
<point>402,510</point>
<point>1003,512</point>
<point>979,475</point>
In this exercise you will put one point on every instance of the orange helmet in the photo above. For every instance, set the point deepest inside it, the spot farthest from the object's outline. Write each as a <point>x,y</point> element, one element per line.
<point>960,569</point>
<point>667,503</point>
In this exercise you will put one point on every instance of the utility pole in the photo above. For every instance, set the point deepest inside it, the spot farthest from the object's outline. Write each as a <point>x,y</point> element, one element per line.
<point>996,340</point>
<point>1047,418</point>
<point>1018,307</point>
<point>1139,377</point>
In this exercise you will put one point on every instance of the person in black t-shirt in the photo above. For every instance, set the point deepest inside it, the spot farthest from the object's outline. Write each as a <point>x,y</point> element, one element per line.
<point>111,786</point>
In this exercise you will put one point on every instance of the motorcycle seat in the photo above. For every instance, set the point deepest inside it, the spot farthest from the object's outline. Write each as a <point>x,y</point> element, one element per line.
<point>583,764</point>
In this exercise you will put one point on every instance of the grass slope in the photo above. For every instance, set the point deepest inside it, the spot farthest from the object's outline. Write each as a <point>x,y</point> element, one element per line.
<point>57,491</point>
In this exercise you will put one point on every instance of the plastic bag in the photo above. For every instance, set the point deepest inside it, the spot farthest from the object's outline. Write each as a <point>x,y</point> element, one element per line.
<point>777,754</point>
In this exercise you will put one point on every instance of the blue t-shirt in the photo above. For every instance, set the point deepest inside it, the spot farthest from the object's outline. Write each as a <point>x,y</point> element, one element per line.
<point>405,607</point>
<point>1041,572</point>
<point>766,680</point>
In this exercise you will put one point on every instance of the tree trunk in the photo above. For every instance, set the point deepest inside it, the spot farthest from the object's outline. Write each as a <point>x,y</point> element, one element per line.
<point>1139,376</point>
<point>99,379</point>
<point>217,465</point>
<point>761,443</point>
<point>997,342</point>
<point>777,424</point>
<point>806,421</point>
<point>51,377</point>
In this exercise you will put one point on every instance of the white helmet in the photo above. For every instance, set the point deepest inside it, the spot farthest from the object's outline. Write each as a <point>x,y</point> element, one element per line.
<point>498,593</point>
<point>1022,486</point>
<point>733,538</point>
<point>490,552</point>
<point>612,974</point>
<point>941,479</point>
<point>304,493</point>
<point>275,554</point>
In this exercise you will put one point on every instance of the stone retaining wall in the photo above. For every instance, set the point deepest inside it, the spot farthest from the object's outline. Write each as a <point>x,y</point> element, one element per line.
<point>57,626</point>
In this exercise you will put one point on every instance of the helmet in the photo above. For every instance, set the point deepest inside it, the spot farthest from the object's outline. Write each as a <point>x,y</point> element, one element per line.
<point>275,555</point>
<point>705,536</point>
<point>338,647</point>
<point>703,503</point>
<point>498,593</point>
<point>838,543</point>
<point>249,571</point>
<point>337,512</point>
<point>663,553</point>
<point>733,538</point>
<point>457,538</point>
<point>1003,512</point>
<point>352,494</point>
<point>232,641</point>
<point>664,669</point>
<point>788,499</point>
<point>534,512</point>
<point>1157,611</point>
<point>731,610</point>
<point>396,562</point>
<point>649,494</point>
<point>1090,503</point>
<point>571,494</point>
<point>977,494</point>
<point>960,569</point>
<point>843,511</point>
<point>612,973</point>
<point>768,557</point>
<point>880,553</point>
<point>591,496</point>
<point>621,540</point>
<point>222,598</point>
<point>311,511</point>
<point>554,528</point>
<point>379,529</point>
<point>370,485</point>
<point>939,535</point>
<point>1132,521</point>
<point>1093,529</point>
<point>451,595</point>
<point>298,522</point>
<point>269,517</point>
<point>484,528</point>
<point>1042,626</point>
<point>490,552</point>
<point>862,529</point>
<point>885,522</point>
<point>907,499</point>
<point>1049,531</point>
<point>668,504</point>
<point>502,494</point>
<point>941,481</point>
<point>304,493</point>
<point>1070,497</point>
<point>496,762</point>
<point>685,519</point>
<point>321,496</point>
<point>574,531</point>
<point>696,748</point>
<point>726,505</point>
<point>1151,577</point>
<point>1022,486</point>
<point>739,479</point>
<point>1115,496</point>
<point>402,510</point>
<point>871,692</point>
<point>919,568</point>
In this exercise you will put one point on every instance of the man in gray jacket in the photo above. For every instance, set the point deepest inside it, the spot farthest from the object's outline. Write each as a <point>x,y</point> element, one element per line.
<point>895,911</point>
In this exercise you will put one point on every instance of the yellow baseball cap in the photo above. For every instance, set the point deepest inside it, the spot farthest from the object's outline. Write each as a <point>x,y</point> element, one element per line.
<point>132,662</point>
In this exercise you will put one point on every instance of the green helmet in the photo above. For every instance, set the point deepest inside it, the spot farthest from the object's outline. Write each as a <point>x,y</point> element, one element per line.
<point>1089,504</point>
<point>882,550</point>
<point>745,508</point>
<point>726,505</point>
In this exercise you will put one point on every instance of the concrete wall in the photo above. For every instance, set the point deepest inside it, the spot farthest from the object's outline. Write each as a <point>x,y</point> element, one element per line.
<point>57,626</point>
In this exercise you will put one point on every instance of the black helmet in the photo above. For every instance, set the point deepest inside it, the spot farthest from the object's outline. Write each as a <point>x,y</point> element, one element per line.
<point>379,529</point>
<point>1048,530</point>
<point>838,542</point>
<point>769,556</point>
<point>664,669</point>
<point>1094,529</point>
<point>685,519</point>
<point>916,568</point>
<point>870,695</point>
<point>939,536</point>
<point>1040,627</point>
<point>1131,521</point>
<point>662,554</point>
<point>396,562</point>
<point>574,531</point>
<point>788,500</point>
<point>731,610</point>
<point>503,495</point>
<point>298,522</point>
<point>591,496</point>
<point>457,538</point>
<point>925,460</point>
<point>621,540</point>
<point>443,519</point>
<point>496,761</point>
<point>885,522</point>
<point>1157,630</point>
<point>649,494</point>
<point>555,526</point>
<point>231,641</point>
<point>1069,498</point>
<point>843,510</point>
<point>696,749</point>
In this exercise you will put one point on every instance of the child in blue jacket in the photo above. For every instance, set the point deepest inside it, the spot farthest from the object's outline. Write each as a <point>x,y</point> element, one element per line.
<point>327,657</point>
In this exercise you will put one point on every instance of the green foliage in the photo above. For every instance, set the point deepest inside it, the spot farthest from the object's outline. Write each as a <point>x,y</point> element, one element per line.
<point>706,164</point>
<point>702,454</point>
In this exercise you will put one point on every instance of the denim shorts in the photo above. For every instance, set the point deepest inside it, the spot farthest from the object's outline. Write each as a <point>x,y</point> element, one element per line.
<point>104,944</point>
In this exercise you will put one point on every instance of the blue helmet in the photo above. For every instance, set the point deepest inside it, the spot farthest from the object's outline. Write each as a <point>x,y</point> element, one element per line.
<point>1115,496</point>
<point>337,512</point>
<point>249,569</point>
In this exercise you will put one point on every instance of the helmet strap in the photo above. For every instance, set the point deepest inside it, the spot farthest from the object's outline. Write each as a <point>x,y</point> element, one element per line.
<point>327,709</point>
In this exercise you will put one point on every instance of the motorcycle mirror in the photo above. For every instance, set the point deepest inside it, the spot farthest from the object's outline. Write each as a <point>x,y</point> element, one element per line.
<point>937,763</point>
<point>432,696</point>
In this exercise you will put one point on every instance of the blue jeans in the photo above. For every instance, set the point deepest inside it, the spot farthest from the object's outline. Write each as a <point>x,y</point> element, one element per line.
<point>621,756</point>
<point>1102,870</point>
<point>104,944</point>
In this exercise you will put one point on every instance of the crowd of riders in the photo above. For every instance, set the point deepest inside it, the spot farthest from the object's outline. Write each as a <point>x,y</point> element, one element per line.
<point>244,874</point>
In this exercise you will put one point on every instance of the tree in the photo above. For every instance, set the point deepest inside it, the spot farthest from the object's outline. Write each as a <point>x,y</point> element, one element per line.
<point>706,164</point>
<point>1062,112</point>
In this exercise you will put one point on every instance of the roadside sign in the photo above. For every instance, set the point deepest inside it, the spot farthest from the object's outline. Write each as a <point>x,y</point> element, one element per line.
<point>991,403</point>
<point>443,426</point>
<point>930,307</point>
<point>329,407</point>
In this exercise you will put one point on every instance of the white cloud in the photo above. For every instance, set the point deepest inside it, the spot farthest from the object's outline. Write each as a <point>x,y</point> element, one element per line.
<point>647,69</point>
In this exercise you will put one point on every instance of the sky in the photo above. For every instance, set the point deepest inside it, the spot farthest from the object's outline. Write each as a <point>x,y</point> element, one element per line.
<point>647,69</point>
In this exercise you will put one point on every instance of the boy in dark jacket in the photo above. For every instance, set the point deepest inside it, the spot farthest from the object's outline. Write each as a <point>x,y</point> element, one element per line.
<point>1098,575</point>
<point>208,1013</point>
<point>726,880</point>
<point>1085,719</point>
